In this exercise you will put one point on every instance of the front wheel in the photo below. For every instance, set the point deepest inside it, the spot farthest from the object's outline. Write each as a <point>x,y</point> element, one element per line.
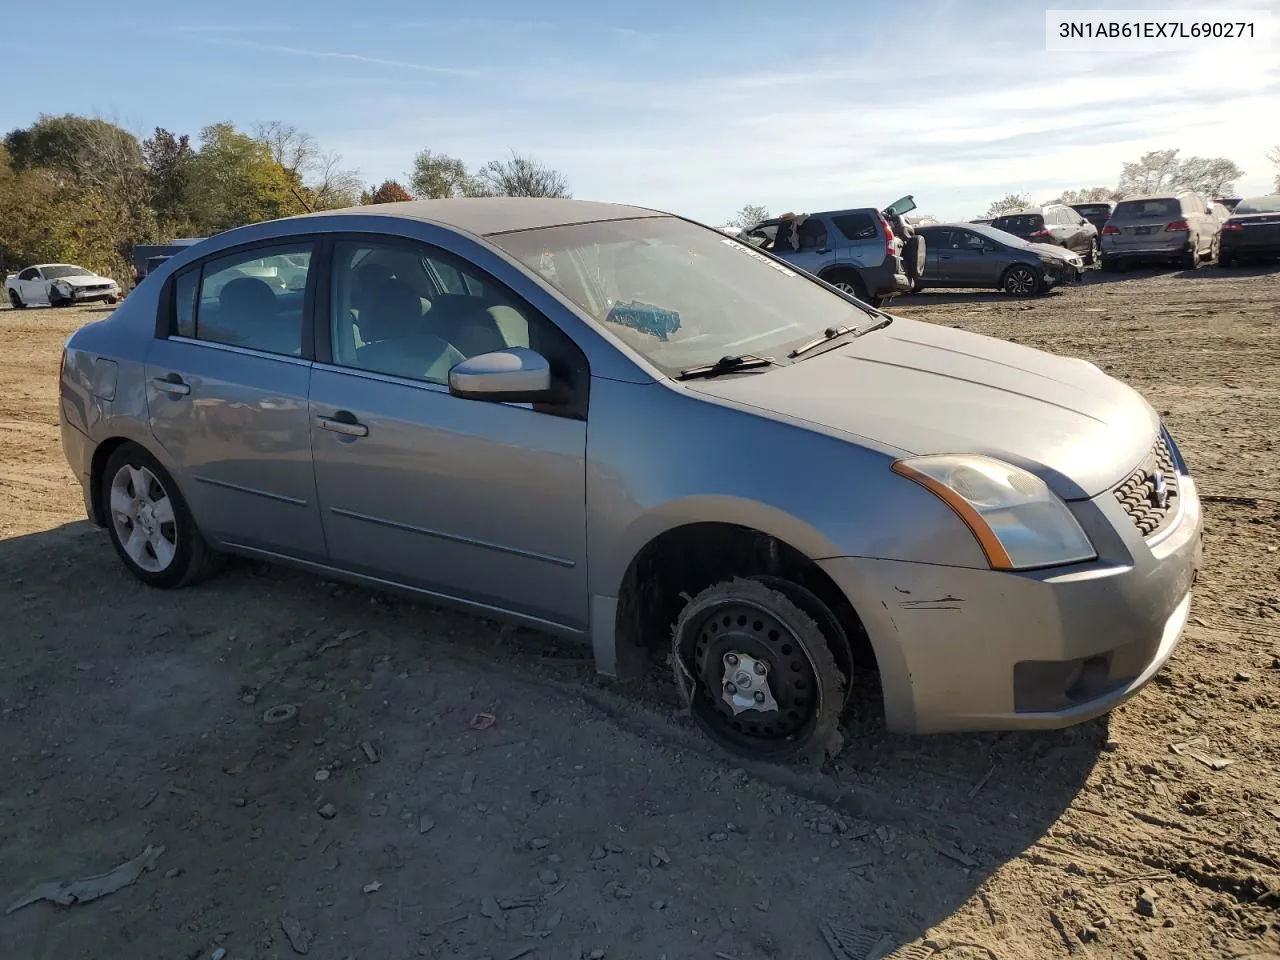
<point>1021,281</point>
<point>758,674</point>
<point>151,527</point>
<point>1091,257</point>
<point>113,300</point>
<point>15,299</point>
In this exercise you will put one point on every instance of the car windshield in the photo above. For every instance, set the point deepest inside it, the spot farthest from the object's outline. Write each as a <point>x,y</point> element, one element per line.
<point>1267,204</point>
<point>1146,210</point>
<point>58,271</point>
<point>1024,223</point>
<point>680,294</point>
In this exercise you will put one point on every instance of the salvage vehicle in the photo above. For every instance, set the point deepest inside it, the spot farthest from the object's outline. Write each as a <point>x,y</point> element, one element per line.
<point>600,420</point>
<point>1251,232</point>
<point>59,285</point>
<point>1054,223</point>
<point>1177,228</point>
<point>1096,212</point>
<point>971,255</point>
<point>872,254</point>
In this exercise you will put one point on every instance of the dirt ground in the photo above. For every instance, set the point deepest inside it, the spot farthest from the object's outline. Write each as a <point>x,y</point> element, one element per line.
<point>590,820</point>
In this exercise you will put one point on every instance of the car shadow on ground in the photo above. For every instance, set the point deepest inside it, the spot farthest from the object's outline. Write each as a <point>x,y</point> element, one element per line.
<point>1204,271</point>
<point>930,297</point>
<point>135,717</point>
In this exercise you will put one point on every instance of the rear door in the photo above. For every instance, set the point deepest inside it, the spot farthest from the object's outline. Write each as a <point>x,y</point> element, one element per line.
<point>227,388</point>
<point>815,246</point>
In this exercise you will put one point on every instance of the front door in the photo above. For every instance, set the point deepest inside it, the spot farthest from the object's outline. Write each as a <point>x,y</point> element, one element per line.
<point>31,287</point>
<point>476,501</point>
<point>227,396</point>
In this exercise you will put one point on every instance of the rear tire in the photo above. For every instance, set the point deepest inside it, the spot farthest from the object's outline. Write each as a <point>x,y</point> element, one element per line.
<point>739,620</point>
<point>16,300</point>
<point>1190,257</point>
<point>150,524</point>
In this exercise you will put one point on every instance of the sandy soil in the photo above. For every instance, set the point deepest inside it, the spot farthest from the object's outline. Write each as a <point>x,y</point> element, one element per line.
<point>589,820</point>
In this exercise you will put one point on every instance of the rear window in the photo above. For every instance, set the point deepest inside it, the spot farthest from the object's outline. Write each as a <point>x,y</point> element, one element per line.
<point>1024,223</point>
<point>1088,209</point>
<point>1146,209</point>
<point>857,226</point>
<point>1268,204</point>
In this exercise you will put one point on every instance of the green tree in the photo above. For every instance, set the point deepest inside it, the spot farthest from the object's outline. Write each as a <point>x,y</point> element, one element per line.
<point>1008,203</point>
<point>235,180</point>
<point>315,175</point>
<point>169,160</point>
<point>1087,195</point>
<point>390,191</point>
<point>1160,171</point>
<point>438,176</point>
<point>748,216</point>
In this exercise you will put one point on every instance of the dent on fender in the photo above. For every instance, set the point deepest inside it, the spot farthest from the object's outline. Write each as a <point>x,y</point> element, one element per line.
<point>941,603</point>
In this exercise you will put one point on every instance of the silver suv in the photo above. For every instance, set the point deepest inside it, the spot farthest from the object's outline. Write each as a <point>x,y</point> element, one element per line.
<point>1171,228</point>
<point>872,254</point>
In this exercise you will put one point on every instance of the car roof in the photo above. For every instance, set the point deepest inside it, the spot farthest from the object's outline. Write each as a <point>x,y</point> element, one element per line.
<point>41,266</point>
<point>486,216</point>
<point>1171,195</point>
<point>1025,211</point>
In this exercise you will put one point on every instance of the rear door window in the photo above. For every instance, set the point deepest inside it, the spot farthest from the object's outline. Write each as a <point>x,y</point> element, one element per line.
<point>813,234</point>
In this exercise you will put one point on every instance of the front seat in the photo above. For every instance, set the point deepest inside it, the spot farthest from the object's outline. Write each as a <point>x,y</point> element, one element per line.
<point>396,340</point>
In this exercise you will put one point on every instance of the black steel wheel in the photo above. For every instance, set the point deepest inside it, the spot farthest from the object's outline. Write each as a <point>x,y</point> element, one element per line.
<point>757,672</point>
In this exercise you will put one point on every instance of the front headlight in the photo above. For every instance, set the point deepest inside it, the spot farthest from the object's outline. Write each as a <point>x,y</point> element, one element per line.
<point>1019,523</point>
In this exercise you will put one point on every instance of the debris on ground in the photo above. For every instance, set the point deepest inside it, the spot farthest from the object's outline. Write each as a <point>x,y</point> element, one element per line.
<point>1145,902</point>
<point>69,892</point>
<point>373,886</point>
<point>859,943</point>
<point>370,754</point>
<point>426,823</point>
<point>280,713</point>
<point>299,936</point>
<point>483,721</point>
<point>328,811</point>
<point>1197,749</point>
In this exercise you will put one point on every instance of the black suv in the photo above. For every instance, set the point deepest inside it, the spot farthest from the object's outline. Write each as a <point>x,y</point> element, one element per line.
<point>1054,223</point>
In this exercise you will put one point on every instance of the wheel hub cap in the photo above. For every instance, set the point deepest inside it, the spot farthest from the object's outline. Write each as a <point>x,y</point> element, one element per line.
<point>746,684</point>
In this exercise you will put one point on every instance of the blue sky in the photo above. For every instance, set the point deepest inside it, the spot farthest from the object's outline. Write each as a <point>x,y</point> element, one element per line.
<point>697,106</point>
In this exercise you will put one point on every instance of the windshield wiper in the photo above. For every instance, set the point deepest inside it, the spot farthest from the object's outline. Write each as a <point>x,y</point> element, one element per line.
<point>832,333</point>
<point>730,364</point>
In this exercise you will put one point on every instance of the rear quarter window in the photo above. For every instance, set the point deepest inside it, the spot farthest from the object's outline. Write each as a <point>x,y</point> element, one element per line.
<point>856,226</point>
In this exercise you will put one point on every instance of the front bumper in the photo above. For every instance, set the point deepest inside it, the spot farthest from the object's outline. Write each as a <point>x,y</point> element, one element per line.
<point>90,296</point>
<point>966,649</point>
<point>1146,251</point>
<point>78,449</point>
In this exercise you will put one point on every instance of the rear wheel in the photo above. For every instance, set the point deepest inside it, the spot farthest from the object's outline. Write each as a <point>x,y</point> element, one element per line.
<point>151,527</point>
<point>15,299</point>
<point>758,673</point>
<point>1021,280</point>
<point>847,281</point>
<point>1190,257</point>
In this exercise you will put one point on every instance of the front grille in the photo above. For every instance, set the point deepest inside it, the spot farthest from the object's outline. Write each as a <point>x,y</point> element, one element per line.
<point>1138,493</point>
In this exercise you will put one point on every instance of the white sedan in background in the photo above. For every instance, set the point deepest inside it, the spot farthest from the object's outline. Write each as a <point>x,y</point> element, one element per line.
<point>58,285</point>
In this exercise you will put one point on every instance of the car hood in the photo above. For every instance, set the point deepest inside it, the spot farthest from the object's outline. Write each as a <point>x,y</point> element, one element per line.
<point>82,281</point>
<point>927,389</point>
<point>1051,250</point>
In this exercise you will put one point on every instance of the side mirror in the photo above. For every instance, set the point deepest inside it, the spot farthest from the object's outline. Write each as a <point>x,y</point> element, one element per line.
<point>513,375</point>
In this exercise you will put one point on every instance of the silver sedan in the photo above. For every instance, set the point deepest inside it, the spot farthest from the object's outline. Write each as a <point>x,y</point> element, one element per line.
<point>601,421</point>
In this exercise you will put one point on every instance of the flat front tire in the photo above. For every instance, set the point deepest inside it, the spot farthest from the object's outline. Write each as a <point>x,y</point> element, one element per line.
<point>150,524</point>
<point>758,674</point>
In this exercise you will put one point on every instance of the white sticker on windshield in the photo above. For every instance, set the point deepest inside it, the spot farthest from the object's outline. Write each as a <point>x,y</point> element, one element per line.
<point>758,256</point>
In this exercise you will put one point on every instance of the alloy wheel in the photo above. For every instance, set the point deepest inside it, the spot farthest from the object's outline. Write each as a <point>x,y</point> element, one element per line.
<point>1020,282</point>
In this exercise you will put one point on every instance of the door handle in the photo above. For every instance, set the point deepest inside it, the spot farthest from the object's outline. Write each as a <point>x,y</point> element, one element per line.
<point>346,425</point>
<point>823,250</point>
<point>172,384</point>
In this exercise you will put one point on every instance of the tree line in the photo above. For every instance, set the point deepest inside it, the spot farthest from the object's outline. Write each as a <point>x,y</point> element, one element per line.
<point>1156,171</point>
<point>84,190</point>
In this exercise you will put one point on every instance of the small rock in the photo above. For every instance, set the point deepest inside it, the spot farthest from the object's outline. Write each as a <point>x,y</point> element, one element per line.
<point>1242,677</point>
<point>1111,746</point>
<point>938,944</point>
<point>826,829</point>
<point>539,843</point>
<point>322,776</point>
<point>370,754</point>
<point>239,802</point>
<point>1146,903</point>
<point>426,824</point>
<point>613,847</point>
<point>1102,923</point>
<point>554,858</point>
<point>1275,663</point>
<point>621,892</point>
<point>548,876</point>
<point>219,954</point>
<point>596,954</point>
<point>468,781</point>
<point>373,886</point>
<point>173,874</point>
<point>598,853</point>
<point>658,856</point>
<point>658,905</point>
<point>328,811</point>
<point>762,906</point>
<point>719,837</point>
